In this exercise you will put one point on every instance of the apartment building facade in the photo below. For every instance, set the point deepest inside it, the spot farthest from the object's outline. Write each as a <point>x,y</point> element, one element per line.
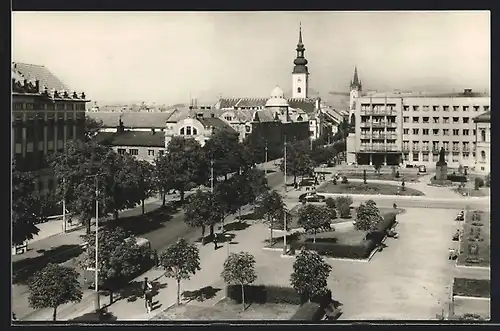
<point>400,129</point>
<point>483,142</point>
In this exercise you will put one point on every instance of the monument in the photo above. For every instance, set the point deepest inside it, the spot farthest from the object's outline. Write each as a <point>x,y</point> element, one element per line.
<point>441,177</point>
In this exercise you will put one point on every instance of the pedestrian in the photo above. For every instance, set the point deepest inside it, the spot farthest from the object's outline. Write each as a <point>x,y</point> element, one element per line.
<point>156,260</point>
<point>215,242</point>
<point>148,300</point>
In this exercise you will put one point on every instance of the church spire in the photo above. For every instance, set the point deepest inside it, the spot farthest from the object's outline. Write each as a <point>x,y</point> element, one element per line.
<point>300,61</point>
<point>356,83</point>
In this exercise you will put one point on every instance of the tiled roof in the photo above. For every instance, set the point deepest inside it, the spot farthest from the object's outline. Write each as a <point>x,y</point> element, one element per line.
<point>132,119</point>
<point>132,138</point>
<point>398,94</point>
<point>265,115</point>
<point>307,105</point>
<point>229,103</point>
<point>33,72</point>
<point>483,118</point>
<point>252,102</point>
<point>215,122</point>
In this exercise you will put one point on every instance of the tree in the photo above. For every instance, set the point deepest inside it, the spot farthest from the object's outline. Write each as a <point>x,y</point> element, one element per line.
<point>119,257</point>
<point>202,211</point>
<point>298,161</point>
<point>53,286</point>
<point>145,180</point>
<point>239,269</point>
<point>183,165</point>
<point>226,151</point>
<point>92,127</point>
<point>229,196</point>
<point>26,207</point>
<point>314,218</point>
<point>310,274</point>
<point>273,208</point>
<point>368,216</point>
<point>255,183</point>
<point>343,204</point>
<point>75,169</point>
<point>180,261</point>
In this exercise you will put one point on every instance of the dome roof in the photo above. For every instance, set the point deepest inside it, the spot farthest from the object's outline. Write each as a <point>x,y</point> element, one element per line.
<point>277,98</point>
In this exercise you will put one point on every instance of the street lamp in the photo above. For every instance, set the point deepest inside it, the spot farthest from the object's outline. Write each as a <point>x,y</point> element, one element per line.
<point>96,284</point>
<point>228,242</point>
<point>265,164</point>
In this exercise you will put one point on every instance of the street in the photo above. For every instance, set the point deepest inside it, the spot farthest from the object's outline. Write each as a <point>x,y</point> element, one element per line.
<point>162,230</point>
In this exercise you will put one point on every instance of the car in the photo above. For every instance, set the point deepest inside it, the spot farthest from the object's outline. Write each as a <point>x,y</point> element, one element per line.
<point>460,216</point>
<point>422,169</point>
<point>311,197</point>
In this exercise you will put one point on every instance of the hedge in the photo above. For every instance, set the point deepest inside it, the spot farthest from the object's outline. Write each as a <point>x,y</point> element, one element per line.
<point>457,178</point>
<point>329,247</point>
<point>264,294</point>
<point>310,311</point>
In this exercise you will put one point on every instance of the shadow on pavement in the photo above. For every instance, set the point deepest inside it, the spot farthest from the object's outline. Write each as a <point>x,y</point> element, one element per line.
<point>102,316</point>
<point>236,226</point>
<point>202,294</point>
<point>134,290</point>
<point>225,237</point>
<point>150,221</point>
<point>255,215</point>
<point>22,270</point>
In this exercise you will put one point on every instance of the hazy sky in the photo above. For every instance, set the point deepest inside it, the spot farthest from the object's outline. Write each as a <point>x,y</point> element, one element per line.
<point>165,57</point>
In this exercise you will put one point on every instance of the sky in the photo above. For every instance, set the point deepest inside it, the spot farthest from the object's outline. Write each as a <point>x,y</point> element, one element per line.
<point>170,57</point>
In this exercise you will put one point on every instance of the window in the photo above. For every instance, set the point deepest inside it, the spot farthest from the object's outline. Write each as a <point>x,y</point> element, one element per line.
<point>476,108</point>
<point>121,151</point>
<point>486,108</point>
<point>415,108</point>
<point>425,108</point>
<point>483,135</point>
<point>188,130</point>
<point>406,131</point>
<point>466,146</point>
<point>248,128</point>
<point>406,144</point>
<point>446,132</point>
<point>133,151</point>
<point>454,157</point>
<point>446,145</point>
<point>182,132</point>
<point>195,131</point>
<point>18,105</point>
<point>446,120</point>
<point>415,144</point>
<point>415,157</point>
<point>406,108</point>
<point>434,157</point>
<point>465,120</point>
<point>151,152</point>
<point>425,157</point>
<point>456,132</point>
<point>474,132</point>
<point>161,152</point>
<point>425,120</point>
<point>446,108</point>
<point>405,157</point>
<point>299,90</point>
<point>465,155</point>
<point>415,131</point>
<point>483,156</point>
<point>406,119</point>
<point>455,119</point>
<point>455,146</point>
<point>455,108</point>
<point>466,108</point>
<point>415,119</point>
<point>435,145</point>
<point>465,132</point>
<point>435,108</point>
<point>425,132</point>
<point>435,132</point>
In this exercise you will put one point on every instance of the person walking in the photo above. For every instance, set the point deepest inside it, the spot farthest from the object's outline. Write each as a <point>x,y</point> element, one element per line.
<point>215,242</point>
<point>147,292</point>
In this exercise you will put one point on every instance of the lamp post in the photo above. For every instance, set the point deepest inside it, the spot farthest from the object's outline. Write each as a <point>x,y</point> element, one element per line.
<point>96,274</point>
<point>265,167</point>
<point>284,214</point>
<point>228,242</point>
<point>64,206</point>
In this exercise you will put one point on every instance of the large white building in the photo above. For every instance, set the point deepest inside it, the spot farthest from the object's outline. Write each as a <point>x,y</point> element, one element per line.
<point>410,128</point>
<point>483,141</point>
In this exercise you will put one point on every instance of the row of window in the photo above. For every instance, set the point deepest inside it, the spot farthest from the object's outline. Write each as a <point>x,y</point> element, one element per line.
<point>135,151</point>
<point>436,145</point>
<point>436,120</point>
<point>436,132</point>
<point>48,106</point>
<point>31,130</point>
<point>435,157</point>
<point>188,131</point>
<point>444,108</point>
<point>378,107</point>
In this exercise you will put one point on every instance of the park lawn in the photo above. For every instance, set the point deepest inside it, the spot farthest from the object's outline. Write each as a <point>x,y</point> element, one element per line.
<point>478,288</point>
<point>228,310</point>
<point>409,177</point>
<point>483,246</point>
<point>368,188</point>
<point>482,192</point>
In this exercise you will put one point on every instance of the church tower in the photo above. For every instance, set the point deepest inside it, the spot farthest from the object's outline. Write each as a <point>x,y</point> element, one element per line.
<point>355,90</point>
<point>300,74</point>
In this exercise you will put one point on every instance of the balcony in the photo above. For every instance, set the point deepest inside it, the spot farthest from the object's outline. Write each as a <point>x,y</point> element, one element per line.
<point>379,111</point>
<point>365,135</point>
<point>391,136</point>
<point>379,124</point>
<point>391,124</point>
<point>378,135</point>
<point>365,124</point>
<point>379,148</point>
<point>425,148</point>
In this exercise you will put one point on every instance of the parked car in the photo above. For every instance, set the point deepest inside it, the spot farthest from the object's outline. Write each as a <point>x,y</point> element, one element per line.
<point>311,197</point>
<point>460,216</point>
<point>422,169</point>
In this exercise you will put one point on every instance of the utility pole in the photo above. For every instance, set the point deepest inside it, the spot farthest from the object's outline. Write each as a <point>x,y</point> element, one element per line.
<point>284,214</point>
<point>97,303</point>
